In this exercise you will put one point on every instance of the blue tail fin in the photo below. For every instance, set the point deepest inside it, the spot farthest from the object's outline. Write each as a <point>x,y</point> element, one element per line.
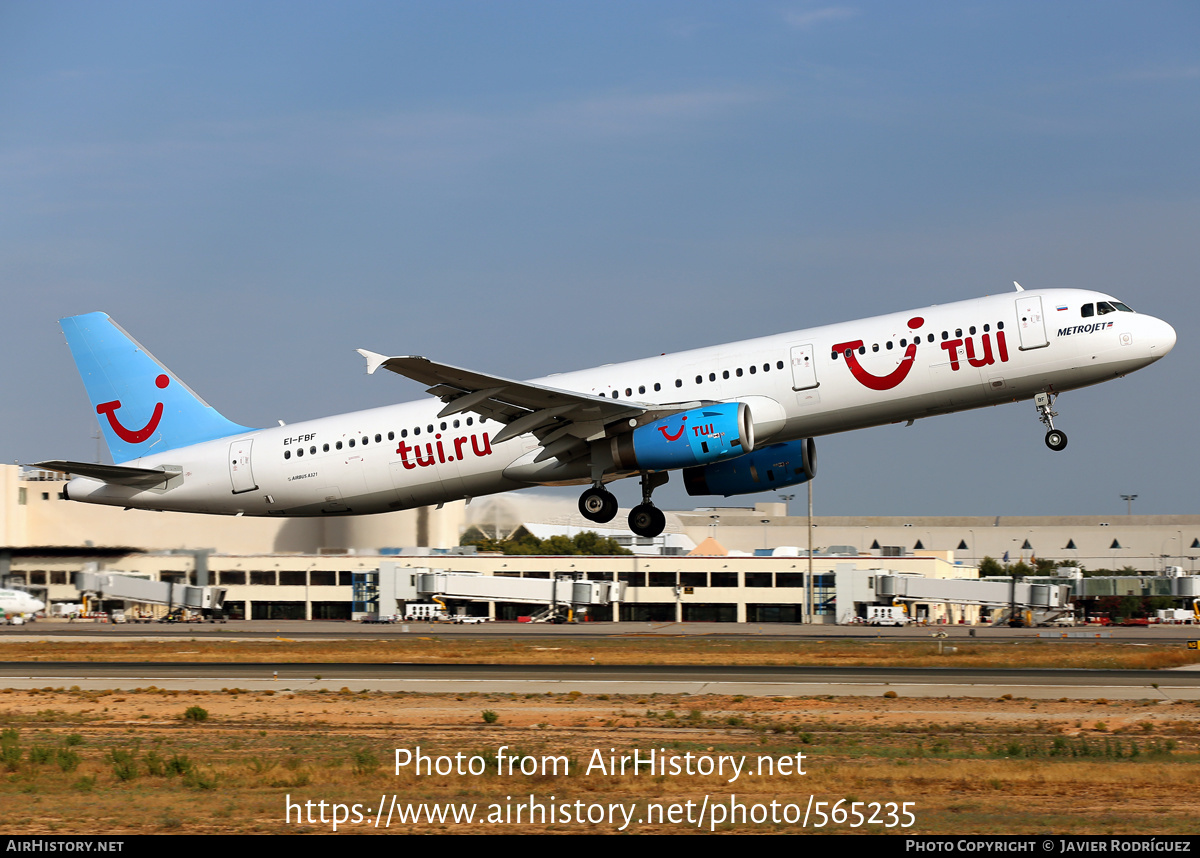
<point>142,406</point>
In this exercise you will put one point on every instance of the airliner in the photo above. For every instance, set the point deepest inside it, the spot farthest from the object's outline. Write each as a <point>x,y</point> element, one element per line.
<point>734,419</point>
<point>19,602</point>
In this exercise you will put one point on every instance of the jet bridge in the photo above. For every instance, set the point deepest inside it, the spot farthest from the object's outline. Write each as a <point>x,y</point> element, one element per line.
<point>558,593</point>
<point>1047,600</point>
<point>145,591</point>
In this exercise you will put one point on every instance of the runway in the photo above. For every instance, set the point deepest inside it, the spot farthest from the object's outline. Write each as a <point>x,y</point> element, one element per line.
<point>636,680</point>
<point>339,630</point>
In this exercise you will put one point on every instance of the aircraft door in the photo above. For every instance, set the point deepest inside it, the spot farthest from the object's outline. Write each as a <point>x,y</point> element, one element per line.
<point>1032,323</point>
<point>240,472</point>
<point>804,368</point>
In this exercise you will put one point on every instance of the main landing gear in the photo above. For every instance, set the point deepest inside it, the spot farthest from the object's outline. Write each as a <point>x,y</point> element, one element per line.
<point>1056,439</point>
<point>598,504</point>
<point>646,519</point>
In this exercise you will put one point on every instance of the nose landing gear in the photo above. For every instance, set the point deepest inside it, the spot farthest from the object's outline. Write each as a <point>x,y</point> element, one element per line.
<point>1056,439</point>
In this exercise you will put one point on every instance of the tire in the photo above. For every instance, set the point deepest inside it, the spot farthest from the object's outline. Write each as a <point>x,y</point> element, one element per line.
<point>598,505</point>
<point>647,520</point>
<point>1056,440</point>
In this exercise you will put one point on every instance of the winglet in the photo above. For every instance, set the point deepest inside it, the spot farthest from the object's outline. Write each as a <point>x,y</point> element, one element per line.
<point>1020,288</point>
<point>374,360</point>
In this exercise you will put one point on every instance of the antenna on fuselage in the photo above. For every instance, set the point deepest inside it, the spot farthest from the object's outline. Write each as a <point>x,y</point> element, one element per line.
<point>1020,288</point>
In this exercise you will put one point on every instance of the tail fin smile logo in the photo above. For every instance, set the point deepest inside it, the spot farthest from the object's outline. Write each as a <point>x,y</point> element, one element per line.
<point>134,436</point>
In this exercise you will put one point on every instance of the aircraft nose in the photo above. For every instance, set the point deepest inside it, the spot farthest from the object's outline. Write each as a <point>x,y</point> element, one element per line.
<point>1162,338</point>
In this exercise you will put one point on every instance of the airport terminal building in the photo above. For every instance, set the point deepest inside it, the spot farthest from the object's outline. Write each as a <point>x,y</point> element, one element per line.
<point>721,564</point>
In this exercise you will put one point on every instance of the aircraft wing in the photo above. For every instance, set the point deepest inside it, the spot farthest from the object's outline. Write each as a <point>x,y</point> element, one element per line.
<point>120,475</point>
<point>561,419</point>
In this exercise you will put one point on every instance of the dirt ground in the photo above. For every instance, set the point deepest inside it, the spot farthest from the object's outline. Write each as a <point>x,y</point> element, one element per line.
<point>158,761</point>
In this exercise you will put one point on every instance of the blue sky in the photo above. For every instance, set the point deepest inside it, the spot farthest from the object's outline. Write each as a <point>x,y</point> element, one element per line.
<point>255,189</point>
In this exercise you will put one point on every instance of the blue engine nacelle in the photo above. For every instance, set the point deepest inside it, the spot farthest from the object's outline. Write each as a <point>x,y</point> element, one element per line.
<point>773,467</point>
<point>695,437</point>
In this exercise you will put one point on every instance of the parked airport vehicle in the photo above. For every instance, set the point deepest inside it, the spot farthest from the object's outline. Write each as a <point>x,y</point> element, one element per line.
<point>887,615</point>
<point>735,419</point>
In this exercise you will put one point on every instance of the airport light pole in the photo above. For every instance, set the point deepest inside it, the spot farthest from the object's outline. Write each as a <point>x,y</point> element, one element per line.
<point>808,591</point>
<point>1129,499</point>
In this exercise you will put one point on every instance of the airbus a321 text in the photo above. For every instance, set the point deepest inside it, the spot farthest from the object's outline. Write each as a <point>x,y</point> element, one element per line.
<point>736,419</point>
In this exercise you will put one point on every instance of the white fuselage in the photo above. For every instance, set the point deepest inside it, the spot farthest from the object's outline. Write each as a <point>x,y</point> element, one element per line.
<point>834,378</point>
<point>19,602</point>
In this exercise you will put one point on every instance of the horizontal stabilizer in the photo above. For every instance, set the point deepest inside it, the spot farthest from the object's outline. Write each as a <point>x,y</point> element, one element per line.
<point>117,475</point>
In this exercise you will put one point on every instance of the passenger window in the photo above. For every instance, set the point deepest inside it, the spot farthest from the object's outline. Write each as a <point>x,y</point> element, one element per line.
<point>392,435</point>
<point>470,420</point>
<point>338,445</point>
<point>699,379</point>
<point>725,374</point>
<point>679,382</point>
<point>753,369</point>
<point>366,440</point>
<point>657,386</point>
<point>889,345</point>
<point>641,388</point>
<point>324,448</point>
<point>287,454</point>
<point>778,364</point>
<point>629,391</point>
<point>738,372</point>
<point>379,438</point>
<point>300,452</point>
<point>875,347</point>
<point>351,442</point>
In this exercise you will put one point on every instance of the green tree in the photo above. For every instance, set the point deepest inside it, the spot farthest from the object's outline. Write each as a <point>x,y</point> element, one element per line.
<point>990,567</point>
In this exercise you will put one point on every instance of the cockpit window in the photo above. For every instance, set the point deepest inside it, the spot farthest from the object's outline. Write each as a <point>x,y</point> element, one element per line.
<point>1121,307</point>
<point>1103,308</point>
<point>1087,310</point>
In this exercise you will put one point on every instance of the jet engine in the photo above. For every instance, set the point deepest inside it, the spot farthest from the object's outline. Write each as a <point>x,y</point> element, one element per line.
<point>773,467</point>
<point>695,437</point>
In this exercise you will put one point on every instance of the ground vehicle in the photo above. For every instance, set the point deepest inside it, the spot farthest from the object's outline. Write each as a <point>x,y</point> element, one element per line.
<point>888,615</point>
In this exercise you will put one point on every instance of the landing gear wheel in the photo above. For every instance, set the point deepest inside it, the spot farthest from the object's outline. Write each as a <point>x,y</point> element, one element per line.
<point>598,505</point>
<point>1056,439</point>
<point>647,520</point>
